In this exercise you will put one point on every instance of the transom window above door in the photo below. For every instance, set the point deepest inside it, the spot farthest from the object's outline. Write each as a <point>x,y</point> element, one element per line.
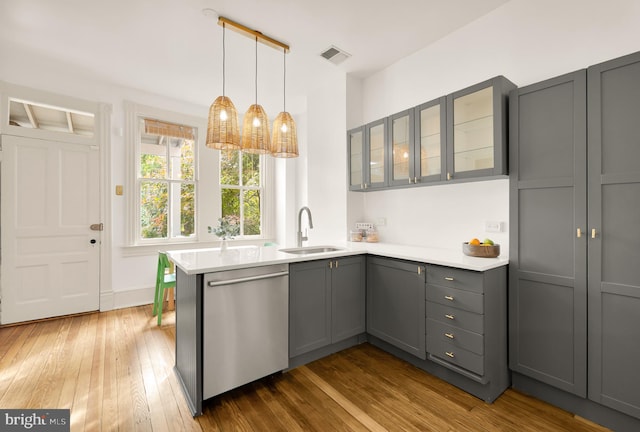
<point>32,115</point>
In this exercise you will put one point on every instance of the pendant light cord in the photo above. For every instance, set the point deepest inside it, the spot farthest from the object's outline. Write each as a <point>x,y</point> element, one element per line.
<point>256,70</point>
<point>284,81</point>
<point>224,28</point>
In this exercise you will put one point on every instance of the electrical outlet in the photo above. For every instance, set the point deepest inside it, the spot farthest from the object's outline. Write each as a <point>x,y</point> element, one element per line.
<point>382,221</point>
<point>364,225</point>
<point>493,226</point>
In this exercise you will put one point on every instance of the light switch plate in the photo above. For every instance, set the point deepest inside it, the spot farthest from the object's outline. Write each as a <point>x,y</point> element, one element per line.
<point>119,190</point>
<point>493,226</point>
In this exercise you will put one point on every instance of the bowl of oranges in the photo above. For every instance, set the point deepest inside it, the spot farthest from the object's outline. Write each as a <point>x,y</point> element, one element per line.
<point>484,249</point>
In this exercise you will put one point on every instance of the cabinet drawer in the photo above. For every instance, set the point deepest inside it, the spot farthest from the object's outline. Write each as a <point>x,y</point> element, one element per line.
<point>455,336</point>
<point>456,317</point>
<point>460,299</point>
<point>455,355</point>
<point>455,278</point>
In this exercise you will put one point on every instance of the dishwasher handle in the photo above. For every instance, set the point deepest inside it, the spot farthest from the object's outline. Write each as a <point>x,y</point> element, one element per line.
<point>247,279</point>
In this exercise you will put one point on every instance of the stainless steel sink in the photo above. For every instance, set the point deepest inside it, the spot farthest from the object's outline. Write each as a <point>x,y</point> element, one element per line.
<point>310,250</point>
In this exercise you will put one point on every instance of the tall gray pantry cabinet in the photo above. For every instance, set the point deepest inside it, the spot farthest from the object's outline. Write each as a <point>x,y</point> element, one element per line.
<point>574,289</point>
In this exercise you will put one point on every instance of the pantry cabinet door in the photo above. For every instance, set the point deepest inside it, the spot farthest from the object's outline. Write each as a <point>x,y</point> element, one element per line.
<point>547,277</point>
<point>614,237</point>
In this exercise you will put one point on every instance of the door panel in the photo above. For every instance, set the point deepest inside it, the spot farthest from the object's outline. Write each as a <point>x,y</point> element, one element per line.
<point>614,211</point>
<point>547,277</point>
<point>50,197</point>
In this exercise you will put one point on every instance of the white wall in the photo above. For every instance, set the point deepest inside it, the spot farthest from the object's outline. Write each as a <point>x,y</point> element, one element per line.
<point>525,40</point>
<point>327,159</point>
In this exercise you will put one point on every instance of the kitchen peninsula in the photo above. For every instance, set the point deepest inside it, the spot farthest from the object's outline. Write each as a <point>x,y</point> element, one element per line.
<point>448,314</point>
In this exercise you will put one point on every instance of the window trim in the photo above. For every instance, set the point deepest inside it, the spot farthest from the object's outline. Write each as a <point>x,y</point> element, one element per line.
<point>133,113</point>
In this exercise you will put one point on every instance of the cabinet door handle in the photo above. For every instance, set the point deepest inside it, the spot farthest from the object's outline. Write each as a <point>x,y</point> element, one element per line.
<point>336,263</point>
<point>330,264</point>
<point>450,354</point>
<point>448,278</point>
<point>578,233</point>
<point>449,176</point>
<point>415,180</point>
<point>419,270</point>
<point>594,233</point>
<point>449,316</point>
<point>448,297</point>
<point>410,180</point>
<point>449,335</point>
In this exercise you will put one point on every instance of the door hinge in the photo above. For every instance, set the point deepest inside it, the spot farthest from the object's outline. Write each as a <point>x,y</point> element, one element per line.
<point>97,227</point>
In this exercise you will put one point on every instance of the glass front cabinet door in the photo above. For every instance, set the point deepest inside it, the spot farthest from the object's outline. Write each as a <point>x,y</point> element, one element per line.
<point>430,143</point>
<point>367,151</point>
<point>375,164</point>
<point>477,130</point>
<point>401,154</point>
<point>355,144</point>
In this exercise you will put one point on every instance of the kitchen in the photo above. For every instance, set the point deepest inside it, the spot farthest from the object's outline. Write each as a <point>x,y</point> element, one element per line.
<point>525,41</point>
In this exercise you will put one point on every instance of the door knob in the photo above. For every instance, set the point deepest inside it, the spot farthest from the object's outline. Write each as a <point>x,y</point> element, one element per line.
<point>92,241</point>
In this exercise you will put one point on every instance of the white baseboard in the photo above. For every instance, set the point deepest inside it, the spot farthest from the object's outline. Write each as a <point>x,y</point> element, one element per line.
<point>127,298</point>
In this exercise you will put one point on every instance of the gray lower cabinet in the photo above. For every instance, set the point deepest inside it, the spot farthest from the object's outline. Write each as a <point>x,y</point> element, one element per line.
<point>466,324</point>
<point>396,303</point>
<point>548,238</point>
<point>326,302</point>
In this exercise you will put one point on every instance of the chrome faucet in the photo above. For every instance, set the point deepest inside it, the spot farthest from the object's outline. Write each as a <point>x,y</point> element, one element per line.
<point>302,238</point>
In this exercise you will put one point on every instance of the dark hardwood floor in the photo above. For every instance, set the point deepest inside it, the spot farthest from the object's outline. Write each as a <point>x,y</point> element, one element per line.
<point>114,370</point>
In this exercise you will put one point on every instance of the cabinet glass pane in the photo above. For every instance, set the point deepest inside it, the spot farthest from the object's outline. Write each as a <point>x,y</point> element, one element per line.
<point>430,141</point>
<point>473,131</point>
<point>376,153</point>
<point>401,148</point>
<point>356,158</point>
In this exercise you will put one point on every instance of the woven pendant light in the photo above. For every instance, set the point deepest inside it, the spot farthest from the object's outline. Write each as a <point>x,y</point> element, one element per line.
<point>223,129</point>
<point>284,143</point>
<point>255,129</point>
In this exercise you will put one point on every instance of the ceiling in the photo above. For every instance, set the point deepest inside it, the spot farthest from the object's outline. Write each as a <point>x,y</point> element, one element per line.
<point>170,47</point>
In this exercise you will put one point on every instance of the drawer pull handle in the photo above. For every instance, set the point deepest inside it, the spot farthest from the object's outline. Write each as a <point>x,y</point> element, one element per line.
<point>449,316</point>
<point>450,354</point>
<point>448,297</point>
<point>449,335</point>
<point>448,278</point>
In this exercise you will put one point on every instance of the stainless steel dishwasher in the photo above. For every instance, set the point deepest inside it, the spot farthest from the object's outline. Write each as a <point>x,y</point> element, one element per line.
<point>245,326</point>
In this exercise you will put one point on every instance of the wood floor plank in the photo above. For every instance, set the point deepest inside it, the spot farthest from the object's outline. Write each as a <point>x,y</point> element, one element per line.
<point>114,370</point>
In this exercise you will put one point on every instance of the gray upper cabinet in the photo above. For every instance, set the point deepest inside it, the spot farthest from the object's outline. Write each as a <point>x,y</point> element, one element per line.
<point>356,156</point>
<point>614,237</point>
<point>326,302</point>
<point>429,150</point>
<point>417,143</point>
<point>548,240</point>
<point>396,303</point>
<point>459,136</point>
<point>367,155</point>
<point>477,130</point>
<point>401,154</point>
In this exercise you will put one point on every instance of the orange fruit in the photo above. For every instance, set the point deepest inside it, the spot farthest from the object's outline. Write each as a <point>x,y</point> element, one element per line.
<point>474,241</point>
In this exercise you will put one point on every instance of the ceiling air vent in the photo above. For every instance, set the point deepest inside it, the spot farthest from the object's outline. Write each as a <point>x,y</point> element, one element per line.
<point>335,55</point>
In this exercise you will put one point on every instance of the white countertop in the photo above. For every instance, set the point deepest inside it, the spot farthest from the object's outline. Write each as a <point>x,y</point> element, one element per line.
<point>196,261</point>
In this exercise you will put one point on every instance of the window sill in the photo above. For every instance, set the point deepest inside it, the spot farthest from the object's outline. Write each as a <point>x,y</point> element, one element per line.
<point>152,249</point>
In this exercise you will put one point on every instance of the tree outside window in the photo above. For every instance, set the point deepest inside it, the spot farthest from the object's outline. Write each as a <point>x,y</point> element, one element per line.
<point>166,180</point>
<point>241,189</point>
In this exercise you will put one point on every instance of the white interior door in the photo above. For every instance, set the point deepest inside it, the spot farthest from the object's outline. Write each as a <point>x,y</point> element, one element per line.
<point>50,255</point>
